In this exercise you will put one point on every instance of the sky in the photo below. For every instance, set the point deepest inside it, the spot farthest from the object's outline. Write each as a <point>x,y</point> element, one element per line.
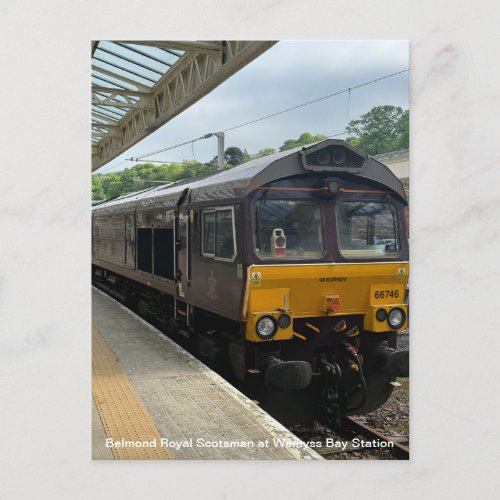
<point>288,74</point>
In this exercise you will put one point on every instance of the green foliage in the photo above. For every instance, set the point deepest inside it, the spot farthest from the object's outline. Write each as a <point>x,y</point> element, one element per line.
<point>97,189</point>
<point>265,152</point>
<point>381,130</point>
<point>303,140</point>
<point>235,156</point>
<point>145,175</point>
<point>193,169</point>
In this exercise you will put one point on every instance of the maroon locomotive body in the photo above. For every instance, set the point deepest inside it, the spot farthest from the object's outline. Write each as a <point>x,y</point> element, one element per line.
<point>218,261</point>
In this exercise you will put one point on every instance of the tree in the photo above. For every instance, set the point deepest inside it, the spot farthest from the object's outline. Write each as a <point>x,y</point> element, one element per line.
<point>234,156</point>
<point>382,129</point>
<point>303,140</point>
<point>97,189</point>
<point>246,156</point>
<point>193,168</point>
<point>145,175</point>
<point>265,152</point>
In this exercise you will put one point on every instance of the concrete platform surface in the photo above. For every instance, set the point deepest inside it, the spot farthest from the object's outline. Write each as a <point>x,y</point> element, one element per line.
<point>197,413</point>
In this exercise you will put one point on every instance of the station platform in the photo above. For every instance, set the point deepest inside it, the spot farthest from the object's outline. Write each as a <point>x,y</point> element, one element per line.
<point>152,400</point>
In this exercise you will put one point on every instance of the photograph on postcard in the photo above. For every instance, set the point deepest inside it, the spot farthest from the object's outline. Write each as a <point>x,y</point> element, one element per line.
<point>250,250</point>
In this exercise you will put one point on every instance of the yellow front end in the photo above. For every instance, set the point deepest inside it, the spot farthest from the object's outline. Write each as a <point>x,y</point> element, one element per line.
<point>319,290</point>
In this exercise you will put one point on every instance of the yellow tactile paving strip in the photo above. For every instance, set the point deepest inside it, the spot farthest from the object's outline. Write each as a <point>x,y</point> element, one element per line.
<point>121,411</point>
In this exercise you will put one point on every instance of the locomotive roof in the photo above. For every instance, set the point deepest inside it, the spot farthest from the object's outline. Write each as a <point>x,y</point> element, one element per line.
<point>239,181</point>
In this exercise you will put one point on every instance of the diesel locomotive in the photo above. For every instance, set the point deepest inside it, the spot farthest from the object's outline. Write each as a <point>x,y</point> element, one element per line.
<point>288,274</point>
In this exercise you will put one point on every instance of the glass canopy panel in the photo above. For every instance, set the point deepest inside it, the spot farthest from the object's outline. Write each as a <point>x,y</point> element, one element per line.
<point>119,68</point>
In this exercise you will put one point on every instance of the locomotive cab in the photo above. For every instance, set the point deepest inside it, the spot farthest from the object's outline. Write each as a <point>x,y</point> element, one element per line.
<point>340,282</point>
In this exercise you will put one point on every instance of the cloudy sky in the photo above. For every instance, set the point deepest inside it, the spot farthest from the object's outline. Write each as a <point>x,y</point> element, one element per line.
<point>288,74</point>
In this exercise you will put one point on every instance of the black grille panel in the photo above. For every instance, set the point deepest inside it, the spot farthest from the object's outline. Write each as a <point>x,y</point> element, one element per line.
<point>335,158</point>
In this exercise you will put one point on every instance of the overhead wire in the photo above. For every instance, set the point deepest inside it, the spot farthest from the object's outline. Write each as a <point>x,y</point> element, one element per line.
<point>317,100</point>
<point>112,166</point>
<point>212,134</point>
<point>206,136</point>
<point>337,135</point>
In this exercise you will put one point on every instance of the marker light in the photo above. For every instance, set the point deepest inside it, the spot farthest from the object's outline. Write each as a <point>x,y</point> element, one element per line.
<point>284,321</point>
<point>266,327</point>
<point>381,314</point>
<point>280,241</point>
<point>334,186</point>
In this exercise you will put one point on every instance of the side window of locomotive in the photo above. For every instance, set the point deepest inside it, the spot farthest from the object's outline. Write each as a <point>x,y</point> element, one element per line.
<point>129,241</point>
<point>208,233</point>
<point>367,229</point>
<point>224,236</point>
<point>288,229</point>
<point>145,249</point>
<point>218,233</point>
<point>163,249</point>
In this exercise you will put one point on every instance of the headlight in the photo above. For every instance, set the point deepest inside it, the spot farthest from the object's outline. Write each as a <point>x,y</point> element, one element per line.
<point>266,327</point>
<point>334,186</point>
<point>396,318</point>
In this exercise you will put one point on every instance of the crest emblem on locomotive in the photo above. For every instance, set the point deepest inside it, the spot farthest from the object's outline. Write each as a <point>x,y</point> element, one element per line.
<point>212,284</point>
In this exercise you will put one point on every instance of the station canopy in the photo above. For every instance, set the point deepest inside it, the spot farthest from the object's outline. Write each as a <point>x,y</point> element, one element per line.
<point>138,86</point>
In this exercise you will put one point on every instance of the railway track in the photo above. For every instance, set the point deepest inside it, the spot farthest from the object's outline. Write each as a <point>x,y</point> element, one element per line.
<point>357,437</point>
<point>400,445</point>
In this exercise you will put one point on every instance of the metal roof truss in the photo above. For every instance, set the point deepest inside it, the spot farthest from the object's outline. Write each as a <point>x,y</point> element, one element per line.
<point>137,86</point>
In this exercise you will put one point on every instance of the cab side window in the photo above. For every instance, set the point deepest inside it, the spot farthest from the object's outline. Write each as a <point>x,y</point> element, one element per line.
<point>218,233</point>
<point>224,237</point>
<point>208,233</point>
